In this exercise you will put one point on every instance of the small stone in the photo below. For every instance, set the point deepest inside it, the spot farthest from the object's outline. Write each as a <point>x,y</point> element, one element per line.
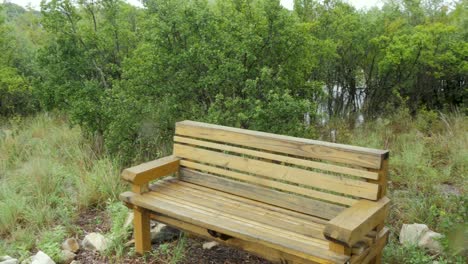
<point>410,234</point>
<point>41,258</point>
<point>449,190</point>
<point>75,262</point>
<point>8,260</point>
<point>71,245</point>
<point>95,241</point>
<point>153,224</point>
<point>162,233</point>
<point>430,241</point>
<point>210,245</point>
<point>129,220</point>
<point>68,256</point>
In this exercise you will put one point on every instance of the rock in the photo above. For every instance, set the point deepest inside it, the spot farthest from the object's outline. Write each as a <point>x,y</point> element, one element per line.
<point>8,260</point>
<point>210,245</point>
<point>75,262</point>
<point>41,258</point>
<point>71,245</point>
<point>449,190</point>
<point>95,241</point>
<point>410,234</point>
<point>68,256</point>
<point>422,236</point>
<point>430,241</point>
<point>163,233</point>
<point>129,220</point>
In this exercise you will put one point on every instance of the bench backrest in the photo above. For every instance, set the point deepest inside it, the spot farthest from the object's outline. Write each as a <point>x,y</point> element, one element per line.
<point>314,177</point>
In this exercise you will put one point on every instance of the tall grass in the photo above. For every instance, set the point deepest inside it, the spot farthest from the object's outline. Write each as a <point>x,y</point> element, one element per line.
<point>48,174</point>
<point>428,177</point>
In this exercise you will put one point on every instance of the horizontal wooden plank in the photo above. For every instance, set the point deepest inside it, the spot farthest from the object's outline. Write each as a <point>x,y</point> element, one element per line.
<point>295,175</point>
<point>270,183</point>
<point>359,156</point>
<point>258,249</point>
<point>281,158</point>
<point>152,170</point>
<point>227,224</point>
<point>235,216</point>
<point>351,225</point>
<point>246,211</point>
<point>283,211</point>
<point>285,200</point>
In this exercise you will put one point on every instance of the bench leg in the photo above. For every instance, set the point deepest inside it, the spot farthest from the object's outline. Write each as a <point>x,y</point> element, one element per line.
<point>377,259</point>
<point>141,224</point>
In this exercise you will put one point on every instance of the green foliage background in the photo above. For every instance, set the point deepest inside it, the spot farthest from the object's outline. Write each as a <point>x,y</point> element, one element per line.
<point>123,75</point>
<point>126,74</point>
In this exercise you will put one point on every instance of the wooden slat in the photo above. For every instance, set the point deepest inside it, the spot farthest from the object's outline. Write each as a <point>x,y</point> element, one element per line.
<point>260,250</point>
<point>270,183</point>
<point>257,225</point>
<point>300,176</point>
<point>281,158</point>
<point>290,213</point>
<point>243,210</point>
<point>355,222</point>
<point>290,201</point>
<point>359,156</point>
<point>304,247</point>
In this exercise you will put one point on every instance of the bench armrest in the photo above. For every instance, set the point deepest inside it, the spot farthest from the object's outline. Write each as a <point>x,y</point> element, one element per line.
<point>146,172</point>
<point>355,222</point>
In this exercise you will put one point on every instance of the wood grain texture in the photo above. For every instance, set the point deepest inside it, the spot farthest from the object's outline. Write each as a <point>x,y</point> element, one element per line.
<point>141,222</point>
<point>285,200</point>
<point>278,239</point>
<point>265,182</point>
<point>359,156</point>
<point>373,254</point>
<point>260,250</point>
<point>339,248</point>
<point>351,225</point>
<point>281,158</point>
<point>269,207</point>
<point>209,199</point>
<point>146,172</point>
<point>342,185</point>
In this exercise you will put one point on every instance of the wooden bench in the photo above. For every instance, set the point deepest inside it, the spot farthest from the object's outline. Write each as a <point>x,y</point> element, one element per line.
<point>287,199</point>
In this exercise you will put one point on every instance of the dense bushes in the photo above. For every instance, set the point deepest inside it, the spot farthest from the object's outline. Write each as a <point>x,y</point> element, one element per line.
<point>127,74</point>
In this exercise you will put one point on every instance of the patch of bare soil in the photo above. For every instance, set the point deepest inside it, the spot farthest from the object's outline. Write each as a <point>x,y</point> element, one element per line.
<point>195,254</point>
<point>94,220</point>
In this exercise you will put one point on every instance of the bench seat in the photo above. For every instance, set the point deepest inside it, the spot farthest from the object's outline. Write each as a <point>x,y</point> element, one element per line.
<point>289,231</point>
<point>290,200</point>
